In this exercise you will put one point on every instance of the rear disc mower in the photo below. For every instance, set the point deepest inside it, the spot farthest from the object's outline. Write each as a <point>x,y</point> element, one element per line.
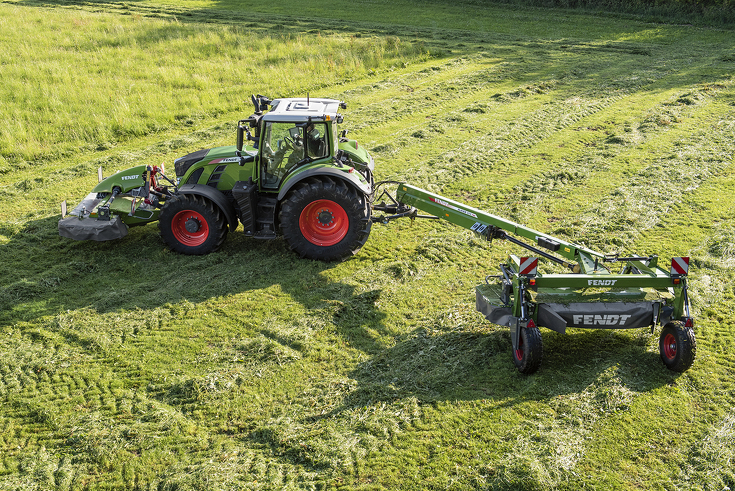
<point>592,296</point>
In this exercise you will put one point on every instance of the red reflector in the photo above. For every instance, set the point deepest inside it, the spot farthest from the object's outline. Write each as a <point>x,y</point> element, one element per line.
<point>677,281</point>
<point>532,281</point>
<point>679,265</point>
<point>531,323</point>
<point>689,322</point>
<point>528,265</point>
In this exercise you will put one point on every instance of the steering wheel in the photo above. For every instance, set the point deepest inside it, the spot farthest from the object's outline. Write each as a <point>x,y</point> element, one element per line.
<point>289,142</point>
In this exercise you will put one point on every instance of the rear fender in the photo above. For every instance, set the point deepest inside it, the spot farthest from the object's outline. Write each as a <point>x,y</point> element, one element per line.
<point>216,197</point>
<point>354,179</point>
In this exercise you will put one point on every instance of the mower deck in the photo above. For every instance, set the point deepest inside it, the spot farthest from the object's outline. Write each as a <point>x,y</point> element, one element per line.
<point>590,296</point>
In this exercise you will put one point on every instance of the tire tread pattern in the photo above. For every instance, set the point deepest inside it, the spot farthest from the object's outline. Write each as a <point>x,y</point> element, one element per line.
<point>686,346</point>
<point>214,216</point>
<point>532,351</point>
<point>355,205</point>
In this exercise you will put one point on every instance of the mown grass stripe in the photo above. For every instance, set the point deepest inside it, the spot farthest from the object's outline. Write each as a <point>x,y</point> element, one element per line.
<point>560,191</point>
<point>477,154</point>
<point>649,193</point>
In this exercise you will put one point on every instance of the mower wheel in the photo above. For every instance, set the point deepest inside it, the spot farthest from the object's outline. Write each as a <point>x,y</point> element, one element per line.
<point>325,219</point>
<point>678,346</point>
<point>192,225</point>
<point>530,350</point>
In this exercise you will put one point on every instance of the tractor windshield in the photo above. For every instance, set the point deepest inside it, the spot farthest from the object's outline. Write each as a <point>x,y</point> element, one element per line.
<point>286,145</point>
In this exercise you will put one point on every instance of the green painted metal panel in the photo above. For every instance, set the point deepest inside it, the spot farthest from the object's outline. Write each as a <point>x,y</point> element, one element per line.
<point>478,220</point>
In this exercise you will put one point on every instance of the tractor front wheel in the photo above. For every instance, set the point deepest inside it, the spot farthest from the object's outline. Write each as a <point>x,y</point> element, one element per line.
<point>325,219</point>
<point>192,224</point>
<point>678,346</point>
<point>527,356</point>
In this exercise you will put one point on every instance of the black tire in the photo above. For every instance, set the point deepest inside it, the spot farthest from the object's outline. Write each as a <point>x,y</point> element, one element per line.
<point>192,224</point>
<point>678,346</point>
<point>325,219</point>
<point>530,350</point>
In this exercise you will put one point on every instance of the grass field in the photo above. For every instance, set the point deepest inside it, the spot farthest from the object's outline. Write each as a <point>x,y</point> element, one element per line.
<point>125,366</point>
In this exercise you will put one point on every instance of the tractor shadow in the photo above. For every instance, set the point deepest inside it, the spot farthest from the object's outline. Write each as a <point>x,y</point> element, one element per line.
<point>47,275</point>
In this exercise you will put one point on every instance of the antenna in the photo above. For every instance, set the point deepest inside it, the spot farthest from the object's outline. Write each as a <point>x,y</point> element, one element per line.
<point>307,99</point>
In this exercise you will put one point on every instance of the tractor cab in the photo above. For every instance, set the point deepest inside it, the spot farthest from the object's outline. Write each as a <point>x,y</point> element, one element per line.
<point>294,133</point>
<point>286,146</point>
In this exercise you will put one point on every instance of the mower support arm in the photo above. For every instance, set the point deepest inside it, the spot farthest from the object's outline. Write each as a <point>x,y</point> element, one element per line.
<point>488,224</point>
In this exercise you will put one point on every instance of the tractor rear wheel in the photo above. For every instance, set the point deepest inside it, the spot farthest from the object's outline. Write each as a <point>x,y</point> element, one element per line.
<point>678,346</point>
<point>192,224</point>
<point>527,356</point>
<point>325,219</point>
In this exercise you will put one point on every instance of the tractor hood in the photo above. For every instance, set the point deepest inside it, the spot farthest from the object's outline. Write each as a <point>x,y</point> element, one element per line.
<point>217,155</point>
<point>356,152</point>
<point>182,164</point>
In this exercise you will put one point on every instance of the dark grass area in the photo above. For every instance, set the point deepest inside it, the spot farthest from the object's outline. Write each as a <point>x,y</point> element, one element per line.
<point>697,12</point>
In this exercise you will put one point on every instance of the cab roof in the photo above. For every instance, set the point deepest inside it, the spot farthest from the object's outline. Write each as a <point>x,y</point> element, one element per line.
<point>302,110</point>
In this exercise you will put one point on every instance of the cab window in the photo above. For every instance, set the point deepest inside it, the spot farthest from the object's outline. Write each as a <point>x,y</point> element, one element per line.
<point>286,145</point>
<point>316,142</point>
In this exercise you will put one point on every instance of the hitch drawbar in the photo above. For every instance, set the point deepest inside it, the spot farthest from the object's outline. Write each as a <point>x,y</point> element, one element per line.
<point>590,295</point>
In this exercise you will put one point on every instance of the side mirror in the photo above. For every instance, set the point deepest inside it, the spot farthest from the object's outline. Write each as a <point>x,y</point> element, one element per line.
<point>240,136</point>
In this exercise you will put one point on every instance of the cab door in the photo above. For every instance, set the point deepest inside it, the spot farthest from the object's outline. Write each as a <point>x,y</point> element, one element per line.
<point>282,149</point>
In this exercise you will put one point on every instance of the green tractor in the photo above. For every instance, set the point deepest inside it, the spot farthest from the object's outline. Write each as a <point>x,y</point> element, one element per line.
<point>294,175</point>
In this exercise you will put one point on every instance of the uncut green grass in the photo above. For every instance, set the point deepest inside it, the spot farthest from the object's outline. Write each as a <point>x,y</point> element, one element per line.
<point>125,366</point>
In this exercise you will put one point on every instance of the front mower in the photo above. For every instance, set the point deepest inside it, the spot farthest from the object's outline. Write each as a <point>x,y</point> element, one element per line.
<point>127,198</point>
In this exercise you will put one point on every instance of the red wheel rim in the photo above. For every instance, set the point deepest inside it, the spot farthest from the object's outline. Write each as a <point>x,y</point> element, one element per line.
<point>519,350</point>
<point>190,228</point>
<point>324,222</point>
<point>670,346</point>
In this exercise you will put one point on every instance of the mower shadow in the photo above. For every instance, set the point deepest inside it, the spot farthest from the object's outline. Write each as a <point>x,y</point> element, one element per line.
<point>46,275</point>
<point>477,365</point>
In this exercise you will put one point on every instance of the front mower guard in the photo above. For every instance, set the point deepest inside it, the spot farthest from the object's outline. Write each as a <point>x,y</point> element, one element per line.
<point>73,227</point>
